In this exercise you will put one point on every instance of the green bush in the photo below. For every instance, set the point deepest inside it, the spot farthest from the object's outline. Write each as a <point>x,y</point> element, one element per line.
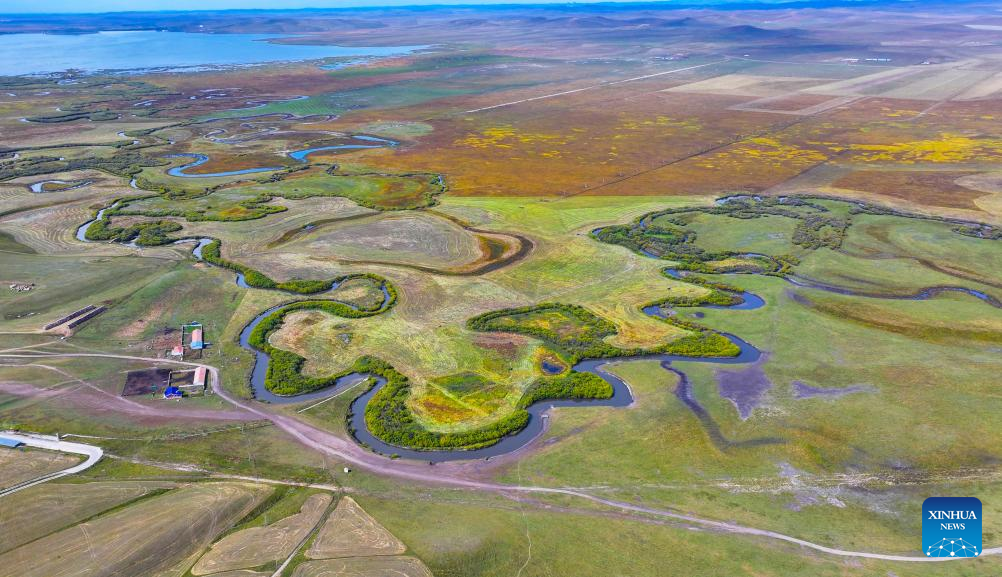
<point>284,375</point>
<point>573,385</point>
<point>587,341</point>
<point>145,234</point>
<point>388,417</point>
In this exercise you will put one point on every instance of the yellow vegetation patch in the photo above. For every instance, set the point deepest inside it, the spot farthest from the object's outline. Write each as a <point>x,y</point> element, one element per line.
<point>636,329</point>
<point>506,136</point>
<point>435,406</point>
<point>662,121</point>
<point>770,151</point>
<point>948,148</point>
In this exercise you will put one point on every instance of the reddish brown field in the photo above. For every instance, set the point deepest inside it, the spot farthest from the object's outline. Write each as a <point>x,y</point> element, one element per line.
<point>931,188</point>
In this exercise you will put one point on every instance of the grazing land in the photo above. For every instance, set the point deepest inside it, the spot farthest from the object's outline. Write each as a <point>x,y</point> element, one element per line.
<point>133,538</point>
<point>472,289</point>
<point>19,465</point>
<point>351,532</point>
<point>402,566</point>
<point>255,546</point>
<point>38,511</point>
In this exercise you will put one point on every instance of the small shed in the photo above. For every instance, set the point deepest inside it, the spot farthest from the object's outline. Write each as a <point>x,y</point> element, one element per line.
<point>177,351</point>
<point>10,443</point>
<point>172,393</point>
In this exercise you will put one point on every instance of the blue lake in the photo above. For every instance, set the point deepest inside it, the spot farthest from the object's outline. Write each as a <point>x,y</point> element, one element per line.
<point>170,51</point>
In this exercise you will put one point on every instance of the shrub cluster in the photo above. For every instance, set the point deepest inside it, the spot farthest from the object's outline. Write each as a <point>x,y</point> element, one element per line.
<point>284,375</point>
<point>212,254</point>
<point>816,231</point>
<point>980,231</point>
<point>663,234</point>
<point>145,233</point>
<point>256,208</point>
<point>95,116</point>
<point>590,341</point>
<point>714,297</point>
<point>586,341</point>
<point>388,417</point>
<point>125,163</point>
<point>573,385</point>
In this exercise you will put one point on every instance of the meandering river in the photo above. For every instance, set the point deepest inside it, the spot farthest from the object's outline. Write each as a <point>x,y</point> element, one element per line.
<point>538,412</point>
<point>298,155</point>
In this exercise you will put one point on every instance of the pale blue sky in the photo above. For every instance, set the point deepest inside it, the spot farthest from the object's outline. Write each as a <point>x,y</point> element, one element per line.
<point>35,6</point>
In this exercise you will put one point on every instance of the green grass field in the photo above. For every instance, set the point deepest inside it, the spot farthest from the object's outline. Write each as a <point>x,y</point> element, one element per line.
<point>860,407</point>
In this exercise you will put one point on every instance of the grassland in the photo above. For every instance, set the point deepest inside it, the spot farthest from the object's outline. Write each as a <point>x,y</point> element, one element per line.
<point>256,546</point>
<point>351,532</point>
<point>23,465</point>
<point>545,129</point>
<point>44,509</point>
<point>132,539</point>
<point>401,566</point>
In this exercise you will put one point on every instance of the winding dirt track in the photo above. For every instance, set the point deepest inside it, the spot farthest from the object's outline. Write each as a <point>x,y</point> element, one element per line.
<point>465,474</point>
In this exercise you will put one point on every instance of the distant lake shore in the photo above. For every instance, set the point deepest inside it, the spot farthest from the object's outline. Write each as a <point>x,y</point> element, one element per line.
<point>32,54</point>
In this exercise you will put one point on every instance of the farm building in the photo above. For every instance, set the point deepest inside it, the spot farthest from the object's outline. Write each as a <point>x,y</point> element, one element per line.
<point>177,351</point>
<point>10,443</point>
<point>189,382</point>
<point>172,393</point>
<point>199,377</point>
<point>196,339</point>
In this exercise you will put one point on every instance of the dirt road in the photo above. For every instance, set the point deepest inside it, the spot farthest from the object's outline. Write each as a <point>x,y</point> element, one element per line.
<point>469,474</point>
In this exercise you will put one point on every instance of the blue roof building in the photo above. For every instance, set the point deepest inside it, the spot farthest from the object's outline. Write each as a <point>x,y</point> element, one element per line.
<point>12,443</point>
<point>172,393</point>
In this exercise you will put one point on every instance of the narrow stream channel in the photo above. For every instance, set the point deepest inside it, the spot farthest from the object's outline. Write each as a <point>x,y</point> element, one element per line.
<point>297,155</point>
<point>538,412</point>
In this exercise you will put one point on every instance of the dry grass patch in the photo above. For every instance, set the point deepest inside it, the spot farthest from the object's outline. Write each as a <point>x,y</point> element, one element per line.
<point>142,539</point>
<point>351,532</point>
<point>330,344</point>
<point>38,511</point>
<point>259,545</point>
<point>412,238</point>
<point>19,465</point>
<point>636,329</point>
<point>928,187</point>
<point>243,573</point>
<point>364,567</point>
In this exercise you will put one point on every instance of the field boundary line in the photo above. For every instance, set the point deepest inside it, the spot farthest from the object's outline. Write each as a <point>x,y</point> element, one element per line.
<point>592,87</point>
<point>329,444</point>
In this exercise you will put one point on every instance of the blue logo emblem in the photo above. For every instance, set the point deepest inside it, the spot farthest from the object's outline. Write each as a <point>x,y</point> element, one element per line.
<point>951,527</point>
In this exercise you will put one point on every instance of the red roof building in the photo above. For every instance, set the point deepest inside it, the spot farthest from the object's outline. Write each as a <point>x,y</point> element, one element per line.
<point>196,339</point>
<point>199,377</point>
